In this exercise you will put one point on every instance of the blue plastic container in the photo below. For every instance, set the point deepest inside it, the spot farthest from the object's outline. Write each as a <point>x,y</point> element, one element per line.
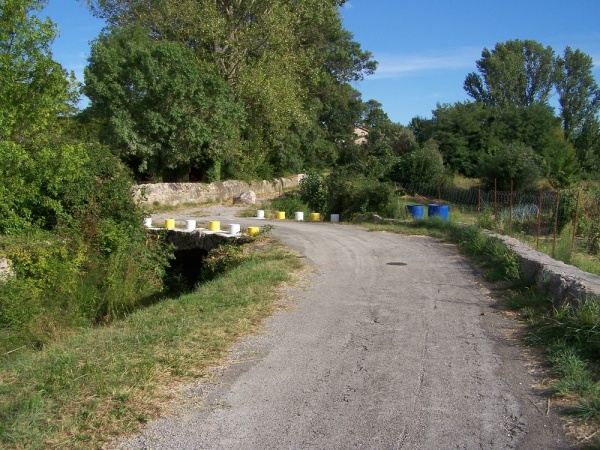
<point>416,211</point>
<point>437,210</point>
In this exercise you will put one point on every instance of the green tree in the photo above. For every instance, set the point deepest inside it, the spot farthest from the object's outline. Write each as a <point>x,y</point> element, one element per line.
<point>513,73</point>
<point>287,62</point>
<point>463,132</point>
<point>164,110</point>
<point>579,98</point>
<point>510,162</point>
<point>423,165</point>
<point>34,89</point>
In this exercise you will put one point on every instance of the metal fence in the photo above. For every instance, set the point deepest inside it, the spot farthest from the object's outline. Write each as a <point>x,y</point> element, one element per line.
<point>542,215</point>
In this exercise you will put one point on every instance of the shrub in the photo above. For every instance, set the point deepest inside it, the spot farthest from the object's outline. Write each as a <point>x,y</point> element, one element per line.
<point>313,191</point>
<point>290,203</point>
<point>75,238</point>
<point>515,162</point>
<point>223,258</point>
<point>351,193</point>
<point>423,165</point>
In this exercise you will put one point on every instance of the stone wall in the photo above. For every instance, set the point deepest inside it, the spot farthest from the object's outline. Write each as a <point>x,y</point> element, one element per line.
<point>562,282</point>
<point>177,193</point>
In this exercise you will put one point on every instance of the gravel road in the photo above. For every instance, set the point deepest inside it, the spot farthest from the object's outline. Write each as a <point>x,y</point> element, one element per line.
<point>395,342</point>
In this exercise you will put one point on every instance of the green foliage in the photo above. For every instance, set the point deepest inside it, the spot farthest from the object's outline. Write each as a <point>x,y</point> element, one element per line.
<point>293,85</point>
<point>563,251</point>
<point>222,259</point>
<point>163,109</point>
<point>313,191</point>
<point>578,92</point>
<point>566,208</point>
<point>508,162</point>
<point>75,239</point>
<point>34,90</point>
<point>290,203</point>
<point>35,183</point>
<point>350,193</point>
<point>513,73</point>
<point>423,165</point>
<point>560,165</point>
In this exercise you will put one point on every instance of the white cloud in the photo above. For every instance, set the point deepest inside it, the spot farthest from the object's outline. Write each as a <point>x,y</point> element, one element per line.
<point>396,66</point>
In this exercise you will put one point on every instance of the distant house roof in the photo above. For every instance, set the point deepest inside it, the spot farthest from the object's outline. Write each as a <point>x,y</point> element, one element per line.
<point>360,135</point>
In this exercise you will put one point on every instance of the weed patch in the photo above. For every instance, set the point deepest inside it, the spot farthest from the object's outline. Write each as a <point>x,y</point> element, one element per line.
<point>108,380</point>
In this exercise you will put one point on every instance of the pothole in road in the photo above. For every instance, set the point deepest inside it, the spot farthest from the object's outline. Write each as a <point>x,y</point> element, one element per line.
<point>396,264</point>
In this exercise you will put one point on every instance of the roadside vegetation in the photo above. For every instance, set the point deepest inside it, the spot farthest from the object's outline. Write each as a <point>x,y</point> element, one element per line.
<point>88,332</point>
<point>104,381</point>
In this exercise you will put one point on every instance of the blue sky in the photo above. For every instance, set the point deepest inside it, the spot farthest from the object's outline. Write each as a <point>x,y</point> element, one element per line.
<point>425,49</point>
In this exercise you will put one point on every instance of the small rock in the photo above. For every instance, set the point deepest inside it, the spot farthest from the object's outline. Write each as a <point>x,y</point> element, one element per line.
<point>245,198</point>
<point>6,270</point>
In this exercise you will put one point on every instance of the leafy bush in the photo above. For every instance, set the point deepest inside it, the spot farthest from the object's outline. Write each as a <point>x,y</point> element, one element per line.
<point>313,191</point>
<point>223,258</point>
<point>351,193</point>
<point>290,204</point>
<point>75,238</point>
<point>507,162</point>
<point>423,165</point>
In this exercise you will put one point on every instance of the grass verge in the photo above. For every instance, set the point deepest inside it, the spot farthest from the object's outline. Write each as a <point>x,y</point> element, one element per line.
<point>108,381</point>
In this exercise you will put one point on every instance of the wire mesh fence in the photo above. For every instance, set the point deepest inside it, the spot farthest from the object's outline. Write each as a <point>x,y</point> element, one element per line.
<point>563,219</point>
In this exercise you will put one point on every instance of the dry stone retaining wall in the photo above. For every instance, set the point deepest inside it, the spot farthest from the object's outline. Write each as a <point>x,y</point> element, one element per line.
<point>563,282</point>
<point>178,193</point>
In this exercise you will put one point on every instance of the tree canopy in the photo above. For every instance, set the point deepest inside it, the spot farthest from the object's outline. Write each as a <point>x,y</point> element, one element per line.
<point>513,73</point>
<point>163,109</point>
<point>34,89</point>
<point>288,65</point>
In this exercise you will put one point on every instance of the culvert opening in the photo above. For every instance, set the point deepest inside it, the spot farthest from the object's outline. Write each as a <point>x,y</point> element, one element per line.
<point>185,270</point>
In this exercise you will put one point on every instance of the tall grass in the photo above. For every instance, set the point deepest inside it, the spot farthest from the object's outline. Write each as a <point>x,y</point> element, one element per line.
<point>105,381</point>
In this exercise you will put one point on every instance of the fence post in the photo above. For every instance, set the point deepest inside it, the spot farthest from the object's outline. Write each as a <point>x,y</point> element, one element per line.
<point>479,198</point>
<point>555,223</point>
<point>539,224</point>
<point>495,199</point>
<point>575,222</point>
<point>510,207</point>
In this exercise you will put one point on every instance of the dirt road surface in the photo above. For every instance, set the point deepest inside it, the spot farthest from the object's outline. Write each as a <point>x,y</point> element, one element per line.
<point>395,342</point>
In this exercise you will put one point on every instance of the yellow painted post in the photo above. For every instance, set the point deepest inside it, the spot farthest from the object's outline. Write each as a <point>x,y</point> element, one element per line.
<point>253,231</point>
<point>214,225</point>
<point>315,217</point>
<point>281,215</point>
<point>170,224</point>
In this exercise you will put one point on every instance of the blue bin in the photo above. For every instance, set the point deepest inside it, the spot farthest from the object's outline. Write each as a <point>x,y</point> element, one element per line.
<point>416,211</point>
<point>437,210</point>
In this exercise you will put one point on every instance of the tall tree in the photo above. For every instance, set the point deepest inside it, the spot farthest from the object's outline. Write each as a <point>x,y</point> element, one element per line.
<point>513,73</point>
<point>579,99</point>
<point>277,55</point>
<point>34,89</point>
<point>164,111</point>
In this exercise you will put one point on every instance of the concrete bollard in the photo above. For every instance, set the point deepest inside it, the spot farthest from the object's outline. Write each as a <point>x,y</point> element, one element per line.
<point>148,222</point>
<point>234,228</point>
<point>260,214</point>
<point>214,225</point>
<point>335,218</point>
<point>315,217</point>
<point>190,225</point>
<point>281,215</point>
<point>170,224</point>
<point>299,216</point>
<point>253,231</point>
